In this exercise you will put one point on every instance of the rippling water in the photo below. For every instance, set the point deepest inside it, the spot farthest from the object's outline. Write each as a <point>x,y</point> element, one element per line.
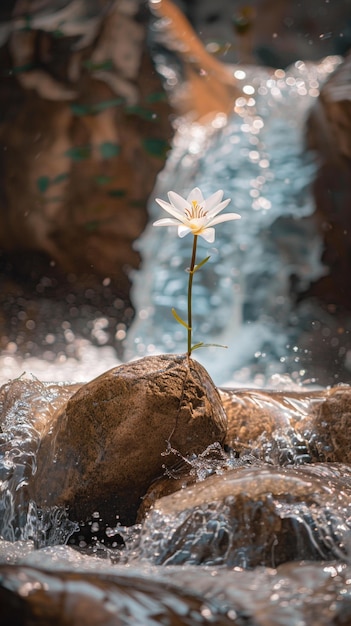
<point>253,539</point>
<point>250,539</point>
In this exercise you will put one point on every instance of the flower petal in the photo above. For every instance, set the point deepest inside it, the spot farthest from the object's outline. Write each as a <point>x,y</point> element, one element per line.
<point>172,210</point>
<point>183,230</point>
<point>213,200</point>
<point>217,209</point>
<point>197,223</point>
<point>166,221</point>
<point>224,218</point>
<point>208,234</point>
<point>178,202</point>
<point>195,194</point>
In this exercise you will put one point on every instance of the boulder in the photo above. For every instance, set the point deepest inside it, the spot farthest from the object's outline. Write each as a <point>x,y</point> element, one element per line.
<point>328,132</point>
<point>33,595</point>
<point>73,132</point>
<point>285,427</point>
<point>249,517</point>
<point>119,432</point>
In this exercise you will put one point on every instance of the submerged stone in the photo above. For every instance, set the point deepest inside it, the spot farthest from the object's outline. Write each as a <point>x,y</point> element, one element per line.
<point>118,433</point>
<point>31,595</point>
<point>252,517</point>
<point>284,427</point>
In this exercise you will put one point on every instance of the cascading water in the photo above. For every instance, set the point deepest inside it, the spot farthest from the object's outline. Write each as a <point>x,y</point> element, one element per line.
<point>243,296</point>
<point>266,505</point>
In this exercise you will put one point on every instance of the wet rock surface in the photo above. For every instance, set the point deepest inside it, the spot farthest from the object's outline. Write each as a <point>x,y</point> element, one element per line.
<point>328,132</point>
<point>292,426</point>
<point>251,518</point>
<point>116,434</point>
<point>84,132</point>
<point>76,598</point>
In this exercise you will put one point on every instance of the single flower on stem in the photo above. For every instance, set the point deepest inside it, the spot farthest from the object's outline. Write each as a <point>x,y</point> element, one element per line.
<point>197,216</point>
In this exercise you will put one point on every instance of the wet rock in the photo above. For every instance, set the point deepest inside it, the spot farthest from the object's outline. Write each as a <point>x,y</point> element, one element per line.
<point>31,595</point>
<point>329,134</point>
<point>117,433</point>
<point>285,427</point>
<point>185,472</point>
<point>251,517</point>
<point>301,592</point>
<point>328,427</point>
<point>86,130</point>
<point>293,593</point>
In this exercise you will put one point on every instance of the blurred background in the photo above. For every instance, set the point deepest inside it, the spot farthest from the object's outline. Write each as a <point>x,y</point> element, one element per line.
<point>86,124</point>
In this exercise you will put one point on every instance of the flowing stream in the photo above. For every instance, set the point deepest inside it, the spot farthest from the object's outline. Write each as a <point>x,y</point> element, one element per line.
<point>260,538</point>
<point>245,296</point>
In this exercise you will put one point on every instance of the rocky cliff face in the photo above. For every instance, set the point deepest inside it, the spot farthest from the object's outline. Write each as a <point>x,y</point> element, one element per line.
<point>84,131</point>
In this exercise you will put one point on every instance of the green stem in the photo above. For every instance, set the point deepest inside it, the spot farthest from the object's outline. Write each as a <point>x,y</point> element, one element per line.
<point>190,286</point>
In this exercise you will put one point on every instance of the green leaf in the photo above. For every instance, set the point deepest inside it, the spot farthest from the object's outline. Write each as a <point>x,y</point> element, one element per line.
<point>59,178</point>
<point>93,67</point>
<point>156,96</point>
<point>107,104</point>
<point>18,69</point>
<point>92,109</point>
<point>28,24</point>
<point>197,267</point>
<point>43,183</point>
<point>103,180</point>
<point>109,150</point>
<point>80,109</point>
<point>179,319</point>
<point>196,346</point>
<point>58,33</point>
<point>156,147</point>
<point>207,345</point>
<point>78,153</point>
<point>142,112</point>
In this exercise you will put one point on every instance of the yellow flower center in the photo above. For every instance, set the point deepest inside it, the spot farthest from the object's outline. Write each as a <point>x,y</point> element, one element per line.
<point>196,211</point>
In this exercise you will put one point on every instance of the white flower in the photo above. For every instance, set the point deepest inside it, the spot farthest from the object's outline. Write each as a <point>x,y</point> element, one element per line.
<point>195,214</point>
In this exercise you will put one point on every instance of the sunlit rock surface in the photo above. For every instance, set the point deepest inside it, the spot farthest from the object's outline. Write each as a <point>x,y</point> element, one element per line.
<point>292,426</point>
<point>30,595</point>
<point>258,505</point>
<point>251,517</point>
<point>291,593</point>
<point>81,106</point>
<point>117,432</point>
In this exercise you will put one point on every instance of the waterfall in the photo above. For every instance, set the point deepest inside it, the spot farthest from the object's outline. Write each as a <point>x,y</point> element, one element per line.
<point>243,296</point>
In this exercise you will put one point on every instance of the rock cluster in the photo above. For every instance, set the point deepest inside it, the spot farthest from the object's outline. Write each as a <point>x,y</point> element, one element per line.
<point>261,479</point>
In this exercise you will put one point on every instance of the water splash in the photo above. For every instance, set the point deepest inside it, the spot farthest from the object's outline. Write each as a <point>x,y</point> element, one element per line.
<point>25,407</point>
<point>243,298</point>
<point>260,516</point>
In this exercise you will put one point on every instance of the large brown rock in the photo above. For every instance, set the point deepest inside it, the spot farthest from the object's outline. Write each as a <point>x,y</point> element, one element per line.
<point>118,432</point>
<point>290,426</point>
<point>279,427</point>
<point>82,138</point>
<point>329,134</point>
<point>105,599</point>
<point>250,517</point>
